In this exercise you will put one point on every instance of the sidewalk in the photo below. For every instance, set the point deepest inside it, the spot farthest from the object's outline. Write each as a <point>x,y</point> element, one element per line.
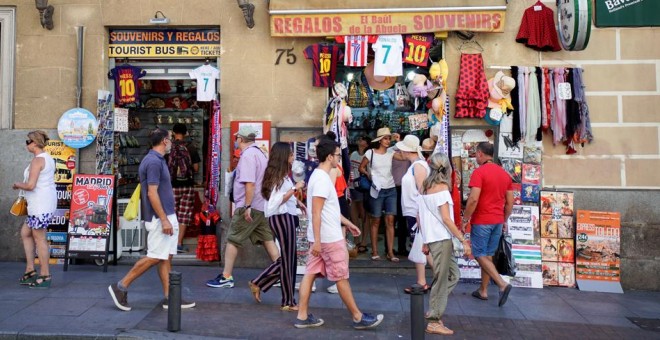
<point>78,306</point>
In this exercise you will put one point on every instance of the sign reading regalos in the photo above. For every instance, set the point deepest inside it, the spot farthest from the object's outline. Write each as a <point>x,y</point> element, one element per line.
<point>164,43</point>
<point>311,25</point>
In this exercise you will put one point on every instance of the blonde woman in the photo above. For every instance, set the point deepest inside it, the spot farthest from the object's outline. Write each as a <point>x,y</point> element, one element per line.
<point>41,196</point>
<point>436,219</point>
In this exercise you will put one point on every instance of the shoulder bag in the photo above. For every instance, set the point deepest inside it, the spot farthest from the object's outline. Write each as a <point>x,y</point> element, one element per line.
<point>363,183</point>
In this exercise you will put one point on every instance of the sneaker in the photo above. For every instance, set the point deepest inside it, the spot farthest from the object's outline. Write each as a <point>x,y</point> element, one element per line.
<point>119,297</point>
<point>184,304</point>
<point>181,249</point>
<point>333,289</point>
<point>368,321</point>
<point>313,286</point>
<point>311,321</point>
<point>221,282</point>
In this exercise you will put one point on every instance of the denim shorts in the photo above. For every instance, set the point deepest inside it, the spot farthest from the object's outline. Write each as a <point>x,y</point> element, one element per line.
<point>485,238</point>
<point>386,201</point>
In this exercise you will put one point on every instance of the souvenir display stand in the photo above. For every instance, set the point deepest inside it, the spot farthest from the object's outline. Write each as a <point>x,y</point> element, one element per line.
<point>558,238</point>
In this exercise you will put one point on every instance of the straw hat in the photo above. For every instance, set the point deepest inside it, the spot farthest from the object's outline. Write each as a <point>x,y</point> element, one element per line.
<point>378,82</point>
<point>428,144</point>
<point>382,132</point>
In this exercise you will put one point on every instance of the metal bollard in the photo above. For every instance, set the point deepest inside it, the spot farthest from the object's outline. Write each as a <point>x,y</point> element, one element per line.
<point>417,312</point>
<point>174,303</point>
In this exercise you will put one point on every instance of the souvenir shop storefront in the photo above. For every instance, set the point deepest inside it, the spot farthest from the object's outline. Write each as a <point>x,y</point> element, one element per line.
<point>426,72</point>
<point>162,78</point>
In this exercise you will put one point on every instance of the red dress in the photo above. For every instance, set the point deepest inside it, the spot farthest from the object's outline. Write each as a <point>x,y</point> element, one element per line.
<point>472,94</point>
<point>537,29</point>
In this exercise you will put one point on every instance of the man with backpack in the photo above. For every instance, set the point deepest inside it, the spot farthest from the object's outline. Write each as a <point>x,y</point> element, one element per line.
<point>183,163</point>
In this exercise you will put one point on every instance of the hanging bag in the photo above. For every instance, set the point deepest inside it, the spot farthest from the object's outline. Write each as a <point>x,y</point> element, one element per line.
<point>133,207</point>
<point>363,184</point>
<point>19,208</point>
<point>503,258</point>
<point>357,94</point>
<point>402,98</point>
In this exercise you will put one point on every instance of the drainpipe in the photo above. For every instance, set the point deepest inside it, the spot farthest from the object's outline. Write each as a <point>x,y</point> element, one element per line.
<point>81,44</point>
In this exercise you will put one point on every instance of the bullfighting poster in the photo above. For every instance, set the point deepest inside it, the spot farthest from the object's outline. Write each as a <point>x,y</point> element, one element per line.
<point>557,237</point>
<point>523,227</point>
<point>598,243</point>
<point>90,215</point>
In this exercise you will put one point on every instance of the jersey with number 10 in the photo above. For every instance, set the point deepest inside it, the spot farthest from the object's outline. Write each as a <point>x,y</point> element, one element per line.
<point>387,61</point>
<point>324,60</point>
<point>126,78</point>
<point>205,76</point>
<point>417,49</point>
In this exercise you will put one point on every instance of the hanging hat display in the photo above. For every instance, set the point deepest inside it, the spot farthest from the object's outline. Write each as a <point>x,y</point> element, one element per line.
<point>377,82</point>
<point>499,89</point>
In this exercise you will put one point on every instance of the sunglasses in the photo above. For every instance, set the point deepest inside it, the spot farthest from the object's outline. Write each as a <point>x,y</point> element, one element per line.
<point>28,141</point>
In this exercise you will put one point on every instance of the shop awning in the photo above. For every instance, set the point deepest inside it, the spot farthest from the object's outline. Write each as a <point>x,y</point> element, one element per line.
<point>317,18</point>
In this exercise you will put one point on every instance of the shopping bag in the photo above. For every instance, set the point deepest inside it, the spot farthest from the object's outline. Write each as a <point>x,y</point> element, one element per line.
<point>416,254</point>
<point>503,258</point>
<point>19,208</point>
<point>133,207</point>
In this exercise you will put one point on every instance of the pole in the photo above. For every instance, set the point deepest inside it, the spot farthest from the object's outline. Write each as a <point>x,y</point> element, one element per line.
<point>81,53</point>
<point>174,303</point>
<point>417,312</point>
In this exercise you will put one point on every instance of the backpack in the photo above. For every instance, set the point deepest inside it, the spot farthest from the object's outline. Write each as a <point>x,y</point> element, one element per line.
<point>179,162</point>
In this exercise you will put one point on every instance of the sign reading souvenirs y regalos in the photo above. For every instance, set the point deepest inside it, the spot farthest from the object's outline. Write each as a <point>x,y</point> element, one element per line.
<point>164,43</point>
<point>77,128</point>
<point>320,25</point>
<point>631,13</point>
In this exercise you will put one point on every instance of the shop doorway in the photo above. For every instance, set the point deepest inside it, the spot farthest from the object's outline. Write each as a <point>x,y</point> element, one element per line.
<point>164,95</point>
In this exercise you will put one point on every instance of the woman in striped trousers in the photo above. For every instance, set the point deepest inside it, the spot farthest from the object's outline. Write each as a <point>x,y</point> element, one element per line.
<point>281,210</point>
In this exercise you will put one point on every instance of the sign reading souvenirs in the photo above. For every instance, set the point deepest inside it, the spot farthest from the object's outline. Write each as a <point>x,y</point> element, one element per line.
<point>164,43</point>
<point>90,217</point>
<point>321,25</point>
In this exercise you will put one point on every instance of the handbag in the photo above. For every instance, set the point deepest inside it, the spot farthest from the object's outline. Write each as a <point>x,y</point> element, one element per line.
<point>362,183</point>
<point>457,245</point>
<point>19,208</point>
<point>357,94</point>
<point>503,258</point>
<point>416,254</point>
<point>133,207</point>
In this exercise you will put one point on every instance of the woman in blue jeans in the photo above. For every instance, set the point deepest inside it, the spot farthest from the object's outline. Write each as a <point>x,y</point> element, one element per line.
<point>377,165</point>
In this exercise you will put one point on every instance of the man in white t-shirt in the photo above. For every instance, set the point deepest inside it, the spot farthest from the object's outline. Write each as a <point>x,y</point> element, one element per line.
<point>328,256</point>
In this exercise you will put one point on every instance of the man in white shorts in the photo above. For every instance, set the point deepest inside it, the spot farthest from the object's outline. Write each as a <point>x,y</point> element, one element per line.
<point>159,215</point>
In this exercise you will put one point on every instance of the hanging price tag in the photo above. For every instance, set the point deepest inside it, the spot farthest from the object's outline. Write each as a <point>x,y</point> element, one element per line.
<point>564,91</point>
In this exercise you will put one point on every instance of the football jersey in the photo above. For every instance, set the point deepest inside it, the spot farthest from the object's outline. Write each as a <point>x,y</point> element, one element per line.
<point>324,60</point>
<point>356,48</point>
<point>387,61</point>
<point>417,49</point>
<point>126,78</point>
<point>205,76</point>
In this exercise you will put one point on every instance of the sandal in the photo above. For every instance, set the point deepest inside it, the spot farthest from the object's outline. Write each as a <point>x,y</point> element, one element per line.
<point>256,291</point>
<point>43,281</point>
<point>392,258</point>
<point>425,289</point>
<point>375,257</point>
<point>28,277</point>
<point>293,308</point>
<point>362,249</point>
<point>438,328</point>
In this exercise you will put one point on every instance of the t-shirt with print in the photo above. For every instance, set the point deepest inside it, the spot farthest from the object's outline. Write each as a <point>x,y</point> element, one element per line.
<point>381,168</point>
<point>153,171</point>
<point>387,61</point>
<point>356,48</point>
<point>324,60</point>
<point>494,182</point>
<point>417,49</point>
<point>205,76</point>
<point>251,168</point>
<point>320,185</point>
<point>127,90</point>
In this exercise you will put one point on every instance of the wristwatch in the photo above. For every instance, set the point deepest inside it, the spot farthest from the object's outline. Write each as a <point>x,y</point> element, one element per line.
<point>248,206</point>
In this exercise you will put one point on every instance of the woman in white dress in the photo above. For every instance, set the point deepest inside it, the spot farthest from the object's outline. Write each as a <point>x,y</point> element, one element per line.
<point>39,188</point>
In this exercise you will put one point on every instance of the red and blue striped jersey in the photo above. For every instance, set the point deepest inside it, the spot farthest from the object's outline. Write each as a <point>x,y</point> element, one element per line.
<point>324,59</point>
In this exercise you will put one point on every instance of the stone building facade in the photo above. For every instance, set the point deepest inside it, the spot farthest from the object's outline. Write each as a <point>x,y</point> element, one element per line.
<point>617,172</point>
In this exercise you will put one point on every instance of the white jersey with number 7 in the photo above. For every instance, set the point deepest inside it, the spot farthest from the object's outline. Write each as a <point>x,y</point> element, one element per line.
<point>387,61</point>
<point>206,76</point>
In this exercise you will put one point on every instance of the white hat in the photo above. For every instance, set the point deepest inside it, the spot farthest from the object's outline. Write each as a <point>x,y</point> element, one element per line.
<point>410,143</point>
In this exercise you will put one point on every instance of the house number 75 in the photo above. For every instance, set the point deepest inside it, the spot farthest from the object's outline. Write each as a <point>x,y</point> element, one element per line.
<point>290,57</point>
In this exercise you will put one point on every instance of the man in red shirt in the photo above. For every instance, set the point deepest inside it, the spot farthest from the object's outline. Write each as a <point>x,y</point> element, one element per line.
<point>488,208</point>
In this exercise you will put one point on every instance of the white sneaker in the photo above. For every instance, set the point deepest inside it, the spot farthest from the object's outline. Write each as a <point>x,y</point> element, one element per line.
<point>333,289</point>
<point>313,286</point>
